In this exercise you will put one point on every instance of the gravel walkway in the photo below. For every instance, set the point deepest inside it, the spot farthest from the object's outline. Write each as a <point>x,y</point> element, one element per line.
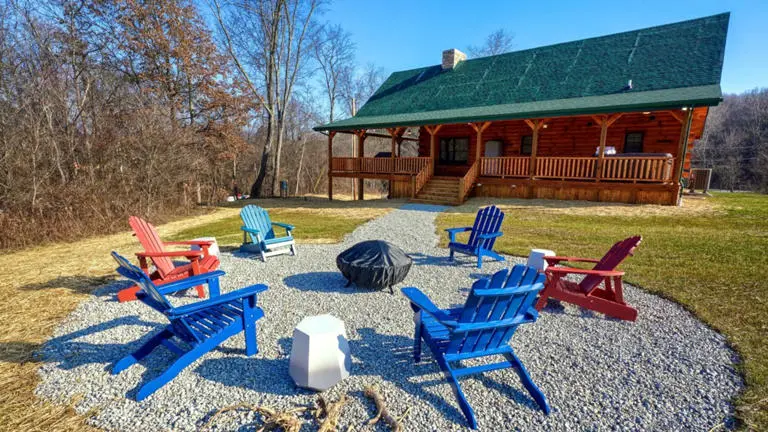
<point>667,371</point>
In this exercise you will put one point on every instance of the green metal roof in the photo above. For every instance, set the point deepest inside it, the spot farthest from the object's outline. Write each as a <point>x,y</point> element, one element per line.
<point>670,66</point>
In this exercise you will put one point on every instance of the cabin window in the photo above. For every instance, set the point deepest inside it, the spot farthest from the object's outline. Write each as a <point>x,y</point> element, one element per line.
<point>493,148</point>
<point>633,142</point>
<point>454,150</point>
<point>526,145</point>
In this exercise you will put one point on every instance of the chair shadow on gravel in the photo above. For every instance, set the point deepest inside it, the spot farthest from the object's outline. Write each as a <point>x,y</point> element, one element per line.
<point>321,282</point>
<point>421,259</point>
<point>401,371</point>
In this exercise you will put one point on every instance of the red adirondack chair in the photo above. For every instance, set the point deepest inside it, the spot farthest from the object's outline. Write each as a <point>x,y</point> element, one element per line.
<point>609,299</point>
<point>165,270</point>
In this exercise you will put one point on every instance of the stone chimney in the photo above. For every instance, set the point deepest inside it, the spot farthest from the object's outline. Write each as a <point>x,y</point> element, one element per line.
<point>452,57</point>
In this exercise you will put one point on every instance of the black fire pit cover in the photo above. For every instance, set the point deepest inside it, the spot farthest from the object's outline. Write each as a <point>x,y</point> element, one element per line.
<point>374,264</point>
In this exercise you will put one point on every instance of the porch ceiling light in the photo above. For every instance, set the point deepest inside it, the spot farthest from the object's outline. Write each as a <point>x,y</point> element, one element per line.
<point>646,112</point>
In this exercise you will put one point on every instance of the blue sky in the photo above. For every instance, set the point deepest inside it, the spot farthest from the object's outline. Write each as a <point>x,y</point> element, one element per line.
<point>405,34</point>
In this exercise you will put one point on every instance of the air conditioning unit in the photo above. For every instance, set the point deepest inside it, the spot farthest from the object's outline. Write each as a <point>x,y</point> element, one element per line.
<point>699,179</point>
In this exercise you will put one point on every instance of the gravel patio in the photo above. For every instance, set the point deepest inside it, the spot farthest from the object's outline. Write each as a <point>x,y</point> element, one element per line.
<point>667,371</point>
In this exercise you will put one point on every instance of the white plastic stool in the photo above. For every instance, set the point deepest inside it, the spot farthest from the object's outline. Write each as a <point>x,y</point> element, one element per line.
<point>320,353</point>
<point>213,249</point>
<point>537,261</point>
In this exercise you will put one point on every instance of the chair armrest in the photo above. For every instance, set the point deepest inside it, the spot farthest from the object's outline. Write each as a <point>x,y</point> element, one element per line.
<point>191,242</point>
<point>189,282</point>
<point>453,231</point>
<point>571,270</point>
<point>556,259</point>
<point>186,254</point>
<point>458,230</point>
<point>490,235</point>
<point>420,302</point>
<point>224,298</point>
<point>288,227</point>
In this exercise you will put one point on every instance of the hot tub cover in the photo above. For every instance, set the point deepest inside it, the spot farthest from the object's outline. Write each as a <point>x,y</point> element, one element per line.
<point>374,264</point>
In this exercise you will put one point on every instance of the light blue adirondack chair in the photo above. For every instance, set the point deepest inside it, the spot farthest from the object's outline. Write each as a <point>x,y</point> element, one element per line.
<point>259,236</point>
<point>482,236</point>
<point>199,326</point>
<point>496,306</point>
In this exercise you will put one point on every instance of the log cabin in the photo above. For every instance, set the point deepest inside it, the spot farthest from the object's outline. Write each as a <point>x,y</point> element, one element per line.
<point>611,118</point>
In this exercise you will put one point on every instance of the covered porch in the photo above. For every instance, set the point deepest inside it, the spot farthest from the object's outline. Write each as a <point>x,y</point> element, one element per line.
<point>627,157</point>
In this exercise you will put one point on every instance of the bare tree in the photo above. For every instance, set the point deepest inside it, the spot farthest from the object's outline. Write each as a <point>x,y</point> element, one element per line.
<point>497,42</point>
<point>334,52</point>
<point>268,41</point>
<point>358,86</point>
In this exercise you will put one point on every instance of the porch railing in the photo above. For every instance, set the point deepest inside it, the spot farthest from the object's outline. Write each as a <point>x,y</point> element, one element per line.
<point>382,165</point>
<point>468,181</point>
<point>504,166</point>
<point>419,180</point>
<point>566,168</point>
<point>650,169</point>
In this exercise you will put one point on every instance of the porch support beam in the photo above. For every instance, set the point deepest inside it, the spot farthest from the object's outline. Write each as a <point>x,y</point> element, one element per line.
<point>361,134</point>
<point>330,165</point>
<point>479,128</point>
<point>536,126</point>
<point>432,131</point>
<point>380,135</point>
<point>395,134</point>
<point>685,130</point>
<point>605,122</point>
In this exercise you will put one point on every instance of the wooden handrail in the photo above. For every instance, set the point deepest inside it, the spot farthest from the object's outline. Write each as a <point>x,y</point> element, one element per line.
<point>654,169</point>
<point>516,166</point>
<point>468,181</point>
<point>420,179</point>
<point>408,165</point>
<point>566,167</point>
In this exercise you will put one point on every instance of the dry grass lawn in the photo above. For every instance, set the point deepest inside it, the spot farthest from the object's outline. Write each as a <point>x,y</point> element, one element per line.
<point>42,285</point>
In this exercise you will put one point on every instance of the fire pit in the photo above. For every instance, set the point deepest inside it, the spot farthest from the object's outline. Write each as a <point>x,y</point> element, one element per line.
<point>374,264</point>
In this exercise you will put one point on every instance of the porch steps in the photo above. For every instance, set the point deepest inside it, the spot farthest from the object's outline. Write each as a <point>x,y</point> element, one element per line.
<point>439,190</point>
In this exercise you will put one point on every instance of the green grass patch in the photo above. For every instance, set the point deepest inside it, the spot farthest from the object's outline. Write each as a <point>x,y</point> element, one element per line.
<point>713,264</point>
<point>311,227</point>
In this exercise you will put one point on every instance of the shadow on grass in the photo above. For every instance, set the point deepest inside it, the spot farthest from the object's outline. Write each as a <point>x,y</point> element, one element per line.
<point>81,284</point>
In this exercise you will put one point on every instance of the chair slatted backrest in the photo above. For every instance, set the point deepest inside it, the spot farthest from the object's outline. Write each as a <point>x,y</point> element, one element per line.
<point>615,255</point>
<point>156,299</point>
<point>257,218</point>
<point>488,221</point>
<point>151,242</point>
<point>517,291</point>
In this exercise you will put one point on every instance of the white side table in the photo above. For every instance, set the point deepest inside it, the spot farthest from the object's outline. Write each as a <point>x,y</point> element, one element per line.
<point>320,353</point>
<point>536,259</point>
<point>213,249</point>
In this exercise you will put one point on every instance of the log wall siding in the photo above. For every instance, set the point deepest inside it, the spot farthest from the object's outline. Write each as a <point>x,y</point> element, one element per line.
<point>572,136</point>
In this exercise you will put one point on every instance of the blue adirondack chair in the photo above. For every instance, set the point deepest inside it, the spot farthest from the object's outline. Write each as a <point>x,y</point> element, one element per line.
<point>199,326</point>
<point>259,235</point>
<point>482,236</point>
<point>496,306</point>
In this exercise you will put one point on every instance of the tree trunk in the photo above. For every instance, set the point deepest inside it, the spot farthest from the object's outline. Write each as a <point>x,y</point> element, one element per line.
<point>258,184</point>
<point>301,159</point>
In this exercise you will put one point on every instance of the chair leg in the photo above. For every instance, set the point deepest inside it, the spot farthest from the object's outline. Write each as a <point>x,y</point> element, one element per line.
<point>182,362</point>
<point>249,326</point>
<point>133,358</point>
<point>532,388</point>
<point>463,404</point>
<point>479,261</point>
<point>200,291</point>
<point>450,256</point>
<point>417,333</point>
<point>293,250</point>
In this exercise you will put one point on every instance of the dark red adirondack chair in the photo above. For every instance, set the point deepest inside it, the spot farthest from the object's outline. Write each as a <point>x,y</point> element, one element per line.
<point>200,261</point>
<point>608,299</point>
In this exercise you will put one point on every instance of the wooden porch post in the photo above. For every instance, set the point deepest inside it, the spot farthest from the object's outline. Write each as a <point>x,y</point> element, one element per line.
<point>535,126</point>
<point>360,154</point>
<point>685,130</point>
<point>604,122</point>
<point>395,134</point>
<point>479,128</point>
<point>432,131</point>
<point>331,134</point>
